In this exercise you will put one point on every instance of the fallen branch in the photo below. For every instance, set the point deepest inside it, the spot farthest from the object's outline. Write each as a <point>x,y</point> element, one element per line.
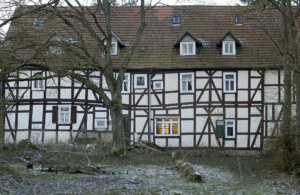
<point>144,145</point>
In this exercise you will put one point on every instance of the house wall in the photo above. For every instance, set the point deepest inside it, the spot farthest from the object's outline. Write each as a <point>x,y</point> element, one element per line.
<point>255,107</point>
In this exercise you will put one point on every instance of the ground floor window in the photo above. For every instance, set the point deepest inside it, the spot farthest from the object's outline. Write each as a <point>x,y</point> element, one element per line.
<point>166,126</point>
<point>229,128</point>
<point>64,114</point>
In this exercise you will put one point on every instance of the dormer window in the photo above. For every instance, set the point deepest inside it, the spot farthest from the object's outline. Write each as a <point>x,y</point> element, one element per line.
<point>113,48</point>
<point>38,22</point>
<point>176,19</point>
<point>228,48</point>
<point>187,48</point>
<point>239,19</point>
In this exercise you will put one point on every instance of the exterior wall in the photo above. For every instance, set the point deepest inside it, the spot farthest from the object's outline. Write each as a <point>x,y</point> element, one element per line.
<point>255,107</point>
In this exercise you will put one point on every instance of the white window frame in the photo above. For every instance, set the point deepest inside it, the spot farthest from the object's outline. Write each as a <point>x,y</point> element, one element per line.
<point>40,83</point>
<point>69,112</point>
<point>113,53</point>
<point>228,53</point>
<point>161,85</point>
<point>187,44</point>
<point>101,128</point>
<point>170,122</point>
<point>55,50</point>
<point>176,19</point>
<point>135,81</point>
<point>182,83</point>
<point>128,82</point>
<point>229,80</point>
<point>226,126</point>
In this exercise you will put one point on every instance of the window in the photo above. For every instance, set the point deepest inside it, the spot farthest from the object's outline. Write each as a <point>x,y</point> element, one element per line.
<point>64,114</point>
<point>228,48</point>
<point>113,48</point>
<point>230,128</point>
<point>38,22</point>
<point>100,124</point>
<point>167,126</point>
<point>187,48</point>
<point>176,19</point>
<point>187,82</point>
<point>55,50</point>
<point>239,19</point>
<point>229,82</point>
<point>140,81</point>
<point>126,83</point>
<point>37,84</point>
<point>158,85</point>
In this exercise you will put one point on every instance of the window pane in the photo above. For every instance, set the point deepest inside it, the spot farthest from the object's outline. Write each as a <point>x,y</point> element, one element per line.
<point>62,117</point>
<point>35,83</point>
<point>67,117</point>
<point>191,48</point>
<point>187,77</point>
<point>184,86</point>
<point>159,129</point>
<point>125,86</point>
<point>140,81</point>
<point>189,86</point>
<point>231,85</point>
<point>227,85</point>
<point>167,128</point>
<point>229,76</point>
<point>229,123</point>
<point>184,48</point>
<point>175,128</point>
<point>226,47</point>
<point>113,48</point>
<point>230,131</point>
<point>231,48</point>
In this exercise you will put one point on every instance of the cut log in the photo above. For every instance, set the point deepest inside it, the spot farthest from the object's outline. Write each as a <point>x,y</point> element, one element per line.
<point>185,168</point>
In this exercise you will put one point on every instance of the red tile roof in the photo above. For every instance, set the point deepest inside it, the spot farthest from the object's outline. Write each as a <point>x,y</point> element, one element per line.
<point>207,23</point>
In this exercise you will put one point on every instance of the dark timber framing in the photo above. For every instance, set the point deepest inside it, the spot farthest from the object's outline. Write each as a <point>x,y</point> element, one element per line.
<point>255,116</point>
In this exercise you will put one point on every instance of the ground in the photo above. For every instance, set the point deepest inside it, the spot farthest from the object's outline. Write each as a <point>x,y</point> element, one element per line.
<point>139,172</point>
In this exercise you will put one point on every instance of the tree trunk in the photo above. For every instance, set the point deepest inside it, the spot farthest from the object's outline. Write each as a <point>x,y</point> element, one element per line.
<point>2,114</point>
<point>287,111</point>
<point>297,84</point>
<point>117,125</point>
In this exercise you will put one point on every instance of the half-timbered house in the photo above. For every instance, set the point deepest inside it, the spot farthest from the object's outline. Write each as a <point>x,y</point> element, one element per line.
<point>202,76</point>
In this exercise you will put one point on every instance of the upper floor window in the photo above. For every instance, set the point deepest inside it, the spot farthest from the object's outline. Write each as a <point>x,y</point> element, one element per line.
<point>140,81</point>
<point>187,48</point>
<point>176,19</point>
<point>229,82</point>
<point>126,83</point>
<point>230,128</point>
<point>38,84</point>
<point>158,85</point>
<point>187,82</point>
<point>38,22</point>
<point>239,19</point>
<point>228,48</point>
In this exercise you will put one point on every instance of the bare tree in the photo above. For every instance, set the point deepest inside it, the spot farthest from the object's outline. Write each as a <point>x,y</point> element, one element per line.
<point>81,21</point>
<point>285,13</point>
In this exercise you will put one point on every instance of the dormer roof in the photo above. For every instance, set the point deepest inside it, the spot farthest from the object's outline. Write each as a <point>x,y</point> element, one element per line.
<point>187,33</point>
<point>237,42</point>
<point>120,42</point>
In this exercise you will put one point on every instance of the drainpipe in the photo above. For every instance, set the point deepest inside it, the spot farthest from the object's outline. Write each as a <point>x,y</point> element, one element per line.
<point>149,106</point>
